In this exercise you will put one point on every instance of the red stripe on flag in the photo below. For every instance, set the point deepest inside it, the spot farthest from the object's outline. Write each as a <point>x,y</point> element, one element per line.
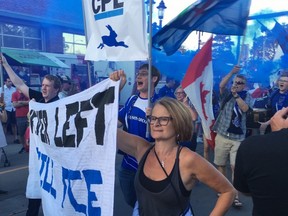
<point>197,65</point>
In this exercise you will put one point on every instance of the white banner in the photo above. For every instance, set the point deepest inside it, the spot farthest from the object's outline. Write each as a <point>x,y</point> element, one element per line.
<point>116,30</point>
<point>72,152</point>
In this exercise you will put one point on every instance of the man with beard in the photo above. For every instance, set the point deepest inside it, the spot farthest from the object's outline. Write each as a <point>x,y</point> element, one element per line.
<point>278,100</point>
<point>132,117</point>
<point>230,124</point>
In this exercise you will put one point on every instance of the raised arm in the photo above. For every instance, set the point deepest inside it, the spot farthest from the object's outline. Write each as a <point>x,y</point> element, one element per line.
<point>17,81</point>
<point>241,102</point>
<point>131,144</point>
<point>117,75</point>
<point>226,79</point>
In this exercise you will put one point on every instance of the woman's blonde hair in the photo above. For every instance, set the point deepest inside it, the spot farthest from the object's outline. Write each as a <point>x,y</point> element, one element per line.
<point>181,117</point>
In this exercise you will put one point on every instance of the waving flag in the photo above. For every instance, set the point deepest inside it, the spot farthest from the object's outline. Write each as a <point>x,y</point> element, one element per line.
<point>228,17</point>
<point>281,36</point>
<point>116,31</point>
<point>198,85</point>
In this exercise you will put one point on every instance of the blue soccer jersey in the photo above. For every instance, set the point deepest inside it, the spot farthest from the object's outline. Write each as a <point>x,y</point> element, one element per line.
<point>133,118</point>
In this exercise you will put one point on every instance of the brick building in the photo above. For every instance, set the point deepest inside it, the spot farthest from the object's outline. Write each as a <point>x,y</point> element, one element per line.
<point>53,27</point>
<point>42,19</point>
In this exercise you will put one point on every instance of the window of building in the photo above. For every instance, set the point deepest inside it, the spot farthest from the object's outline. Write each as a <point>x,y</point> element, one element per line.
<point>74,44</point>
<point>21,37</point>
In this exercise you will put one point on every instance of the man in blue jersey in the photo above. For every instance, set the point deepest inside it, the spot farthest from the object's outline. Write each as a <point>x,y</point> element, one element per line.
<point>132,117</point>
<point>277,100</point>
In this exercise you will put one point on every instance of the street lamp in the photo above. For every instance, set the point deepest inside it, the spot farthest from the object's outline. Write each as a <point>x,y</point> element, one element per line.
<point>147,2</point>
<point>161,8</point>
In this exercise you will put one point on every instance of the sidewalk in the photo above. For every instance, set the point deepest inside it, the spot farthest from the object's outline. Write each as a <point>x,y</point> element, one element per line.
<point>13,180</point>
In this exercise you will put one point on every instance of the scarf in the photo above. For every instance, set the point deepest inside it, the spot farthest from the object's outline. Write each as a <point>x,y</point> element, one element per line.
<point>236,119</point>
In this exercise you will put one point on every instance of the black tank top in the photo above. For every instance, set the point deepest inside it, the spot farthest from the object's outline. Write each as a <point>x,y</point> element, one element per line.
<point>164,201</point>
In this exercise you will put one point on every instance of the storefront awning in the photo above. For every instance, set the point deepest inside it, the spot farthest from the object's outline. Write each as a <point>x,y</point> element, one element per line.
<point>29,57</point>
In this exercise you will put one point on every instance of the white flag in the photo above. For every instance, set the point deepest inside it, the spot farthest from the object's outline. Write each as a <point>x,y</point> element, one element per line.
<point>116,30</point>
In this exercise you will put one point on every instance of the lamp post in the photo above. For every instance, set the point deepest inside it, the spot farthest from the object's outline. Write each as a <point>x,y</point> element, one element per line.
<point>161,8</point>
<point>147,2</point>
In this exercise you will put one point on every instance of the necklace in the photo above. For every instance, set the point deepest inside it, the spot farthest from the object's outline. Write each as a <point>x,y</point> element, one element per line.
<point>161,162</point>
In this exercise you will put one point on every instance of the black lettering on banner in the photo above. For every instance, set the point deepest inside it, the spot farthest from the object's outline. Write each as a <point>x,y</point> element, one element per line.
<point>97,9</point>
<point>79,123</point>
<point>41,125</point>
<point>117,4</point>
<point>101,6</point>
<point>99,100</point>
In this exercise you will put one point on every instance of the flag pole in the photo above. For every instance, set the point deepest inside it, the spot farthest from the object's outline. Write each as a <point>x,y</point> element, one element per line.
<point>85,30</point>
<point>242,48</point>
<point>1,77</point>
<point>149,58</point>
<point>244,37</point>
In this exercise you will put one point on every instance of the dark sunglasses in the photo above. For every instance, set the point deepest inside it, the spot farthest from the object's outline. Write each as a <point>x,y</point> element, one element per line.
<point>238,83</point>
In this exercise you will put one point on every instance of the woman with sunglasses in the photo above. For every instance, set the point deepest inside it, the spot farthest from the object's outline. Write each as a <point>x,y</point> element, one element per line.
<point>167,171</point>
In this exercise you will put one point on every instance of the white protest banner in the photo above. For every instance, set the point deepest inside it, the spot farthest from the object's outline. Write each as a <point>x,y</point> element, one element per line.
<point>72,152</point>
<point>116,30</point>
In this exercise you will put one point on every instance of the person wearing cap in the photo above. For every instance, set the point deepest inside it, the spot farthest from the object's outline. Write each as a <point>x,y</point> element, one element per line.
<point>65,86</point>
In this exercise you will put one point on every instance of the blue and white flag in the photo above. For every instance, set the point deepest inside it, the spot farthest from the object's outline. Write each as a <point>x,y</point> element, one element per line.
<point>116,30</point>
<point>72,152</point>
<point>227,17</point>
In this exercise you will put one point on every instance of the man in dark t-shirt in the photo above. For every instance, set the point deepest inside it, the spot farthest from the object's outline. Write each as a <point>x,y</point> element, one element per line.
<point>261,169</point>
<point>49,93</point>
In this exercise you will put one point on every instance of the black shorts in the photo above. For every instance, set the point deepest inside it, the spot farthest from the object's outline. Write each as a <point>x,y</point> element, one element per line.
<point>11,117</point>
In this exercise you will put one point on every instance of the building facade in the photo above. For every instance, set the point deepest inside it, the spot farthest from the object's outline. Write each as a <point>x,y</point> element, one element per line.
<point>40,25</point>
<point>30,30</point>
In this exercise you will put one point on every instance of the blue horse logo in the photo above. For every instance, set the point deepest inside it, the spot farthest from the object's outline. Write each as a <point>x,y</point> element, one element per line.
<point>110,40</point>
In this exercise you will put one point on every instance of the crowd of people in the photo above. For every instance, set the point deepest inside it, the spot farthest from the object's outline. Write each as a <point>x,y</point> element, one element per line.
<point>157,136</point>
<point>156,178</point>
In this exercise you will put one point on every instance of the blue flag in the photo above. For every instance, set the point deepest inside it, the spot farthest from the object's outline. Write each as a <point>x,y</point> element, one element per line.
<point>227,17</point>
<point>281,36</point>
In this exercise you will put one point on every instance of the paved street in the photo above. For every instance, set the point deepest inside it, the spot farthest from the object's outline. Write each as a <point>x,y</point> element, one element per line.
<point>13,179</point>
